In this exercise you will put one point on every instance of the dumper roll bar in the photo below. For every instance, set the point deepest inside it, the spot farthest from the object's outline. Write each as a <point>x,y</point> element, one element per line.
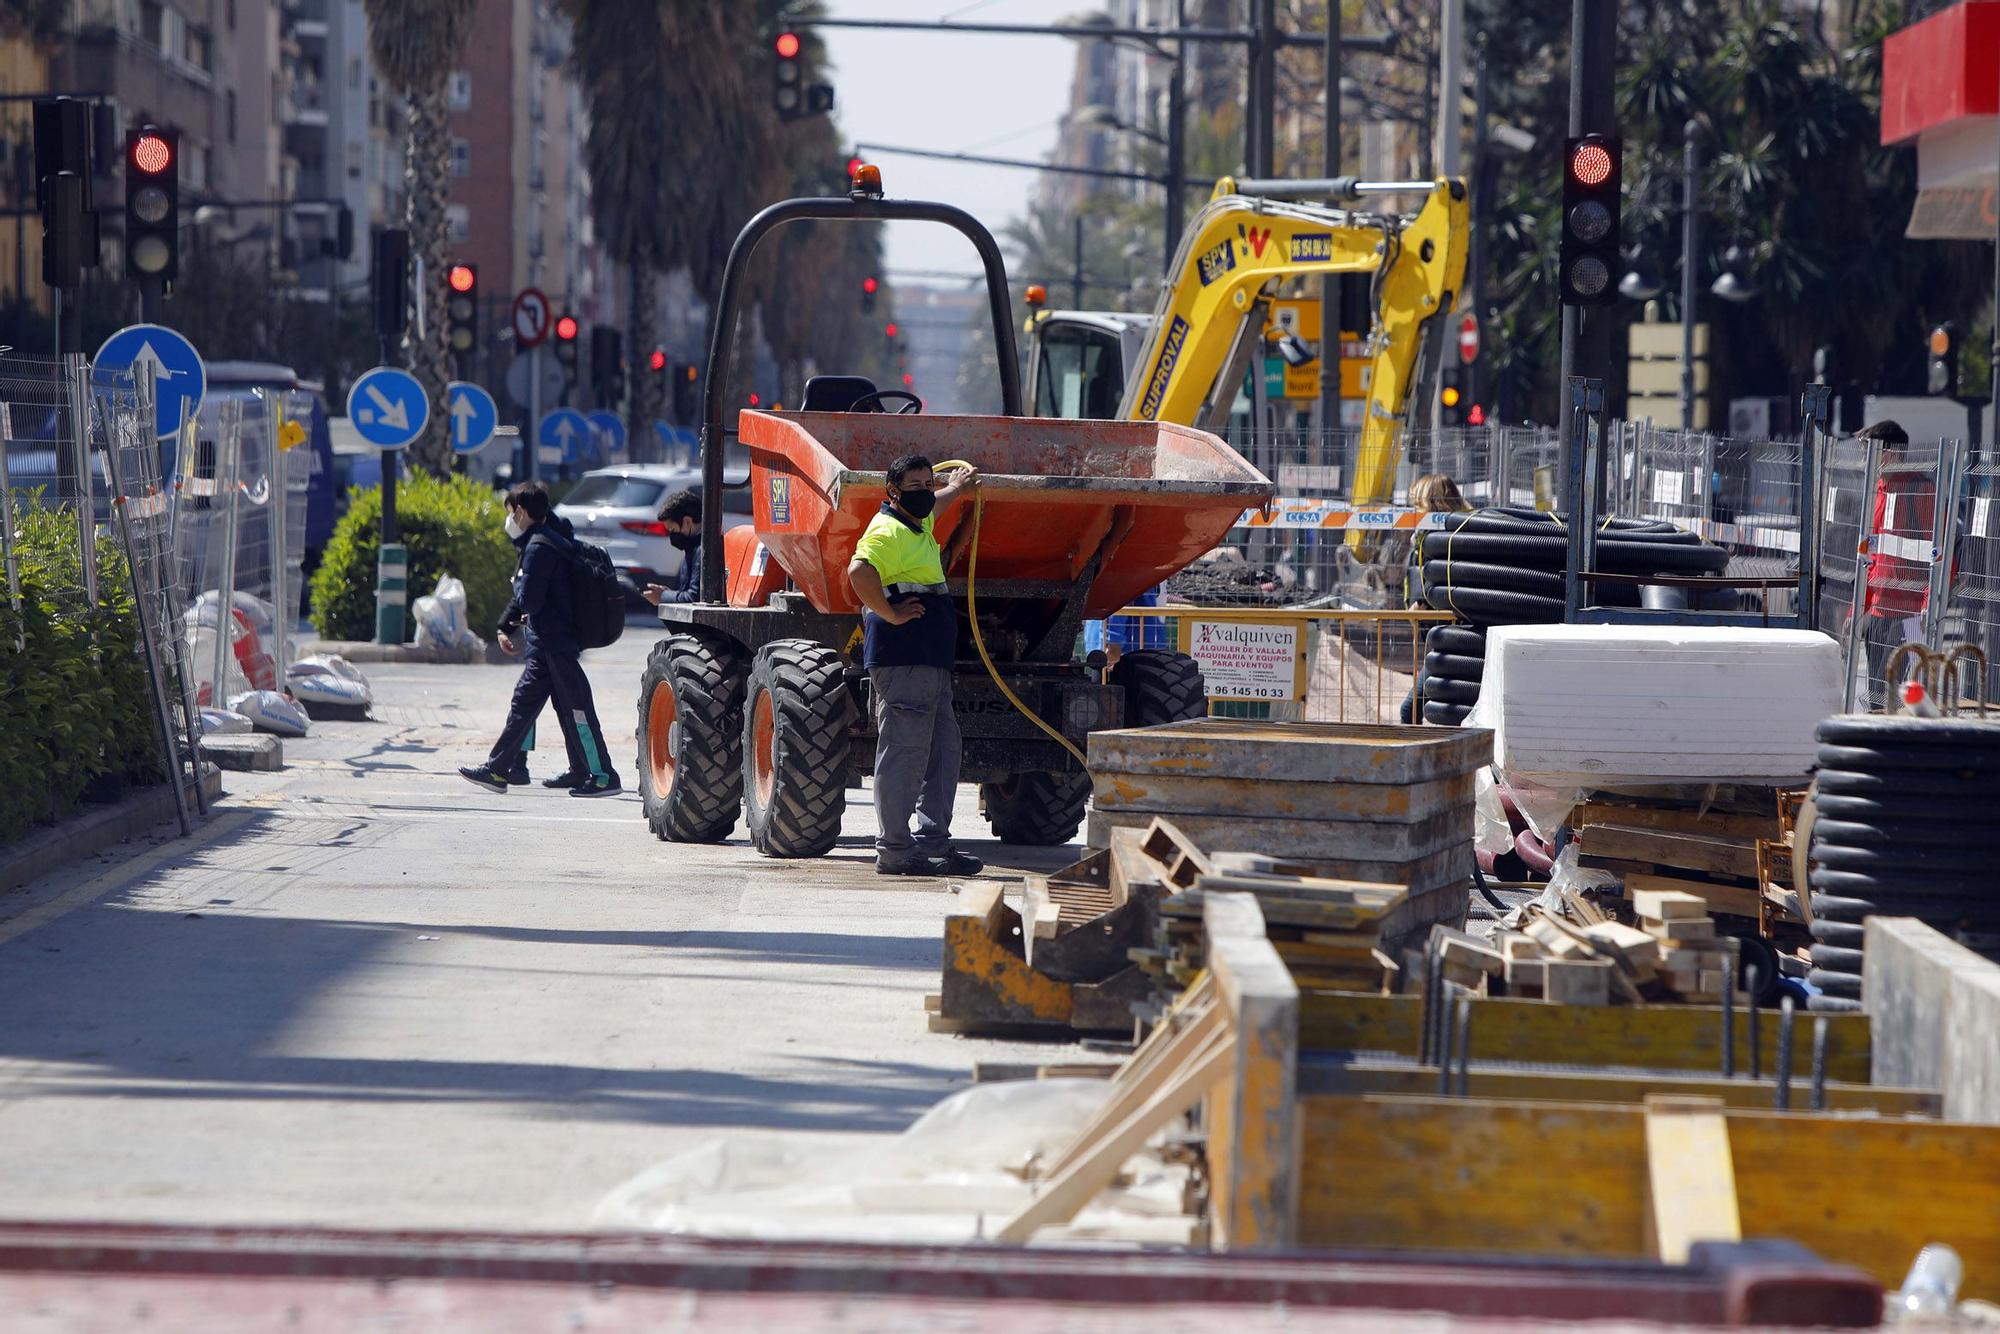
<point>855,208</point>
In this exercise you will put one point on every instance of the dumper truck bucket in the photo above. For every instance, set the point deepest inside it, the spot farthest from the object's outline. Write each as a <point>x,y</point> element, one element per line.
<point>1136,500</point>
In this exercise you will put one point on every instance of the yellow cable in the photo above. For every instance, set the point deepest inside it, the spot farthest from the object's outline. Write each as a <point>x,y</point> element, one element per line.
<point>972,609</point>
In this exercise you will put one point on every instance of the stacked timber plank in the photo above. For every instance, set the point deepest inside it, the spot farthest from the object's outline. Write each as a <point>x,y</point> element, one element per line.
<point>1328,932</point>
<point>1693,964</point>
<point>1708,850</point>
<point>1383,805</point>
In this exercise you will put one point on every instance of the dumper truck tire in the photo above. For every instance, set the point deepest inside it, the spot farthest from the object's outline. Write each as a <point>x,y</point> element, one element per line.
<point>690,739</point>
<point>797,716</point>
<point>1160,687</point>
<point>1041,810</point>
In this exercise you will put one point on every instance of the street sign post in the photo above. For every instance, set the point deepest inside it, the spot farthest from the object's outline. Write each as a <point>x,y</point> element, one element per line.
<point>612,427</point>
<point>565,429</point>
<point>180,380</point>
<point>474,416</point>
<point>531,318</point>
<point>388,407</point>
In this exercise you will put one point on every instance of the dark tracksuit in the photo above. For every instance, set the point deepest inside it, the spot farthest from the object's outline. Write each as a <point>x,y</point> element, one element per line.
<point>553,669</point>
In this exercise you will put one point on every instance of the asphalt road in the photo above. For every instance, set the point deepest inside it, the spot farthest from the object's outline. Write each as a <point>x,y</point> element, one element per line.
<point>370,993</point>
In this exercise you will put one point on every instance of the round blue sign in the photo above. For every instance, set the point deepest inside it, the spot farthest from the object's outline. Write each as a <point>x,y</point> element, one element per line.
<point>474,416</point>
<point>388,407</point>
<point>613,429</point>
<point>568,430</point>
<point>180,381</point>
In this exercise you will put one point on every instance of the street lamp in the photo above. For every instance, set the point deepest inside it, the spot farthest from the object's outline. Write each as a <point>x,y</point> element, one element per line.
<point>1734,283</point>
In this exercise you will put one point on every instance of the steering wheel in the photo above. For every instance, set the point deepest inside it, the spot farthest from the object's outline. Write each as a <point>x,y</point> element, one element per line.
<point>872,402</point>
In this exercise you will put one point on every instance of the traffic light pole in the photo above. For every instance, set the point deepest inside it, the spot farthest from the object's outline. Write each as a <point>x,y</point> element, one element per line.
<point>1690,261</point>
<point>1586,335</point>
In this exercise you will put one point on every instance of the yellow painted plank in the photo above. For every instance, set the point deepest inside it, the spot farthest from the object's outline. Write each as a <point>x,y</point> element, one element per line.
<point>1551,1178</point>
<point>1690,1177</point>
<point>1661,1037</point>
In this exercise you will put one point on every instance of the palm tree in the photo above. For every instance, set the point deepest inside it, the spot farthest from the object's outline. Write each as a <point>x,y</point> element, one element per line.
<point>415,45</point>
<point>679,146</point>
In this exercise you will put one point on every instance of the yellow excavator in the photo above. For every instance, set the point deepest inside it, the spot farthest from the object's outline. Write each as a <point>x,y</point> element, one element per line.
<point>1186,364</point>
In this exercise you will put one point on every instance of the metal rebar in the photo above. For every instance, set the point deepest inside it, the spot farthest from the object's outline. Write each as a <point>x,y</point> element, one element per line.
<point>1752,979</point>
<point>1784,1070</point>
<point>1446,1036</point>
<point>1819,1063</point>
<point>1465,1046</point>
<point>1729,1014</point>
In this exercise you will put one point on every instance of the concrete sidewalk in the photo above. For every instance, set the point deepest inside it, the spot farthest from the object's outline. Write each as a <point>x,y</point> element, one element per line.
<point>371,993</point>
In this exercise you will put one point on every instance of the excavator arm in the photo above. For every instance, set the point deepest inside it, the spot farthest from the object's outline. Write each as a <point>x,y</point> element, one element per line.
<point>1210,317</point>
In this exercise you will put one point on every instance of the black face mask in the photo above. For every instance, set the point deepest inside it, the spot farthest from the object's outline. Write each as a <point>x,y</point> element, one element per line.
<point>918,504</point>
<point>684,541</point>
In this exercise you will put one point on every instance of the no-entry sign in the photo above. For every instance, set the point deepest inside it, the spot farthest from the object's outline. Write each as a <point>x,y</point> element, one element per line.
<point>1468,338</point>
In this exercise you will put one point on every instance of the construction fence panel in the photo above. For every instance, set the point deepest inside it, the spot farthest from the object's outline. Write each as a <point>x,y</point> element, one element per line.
<point>1971,613</point>
<point>1296,665</point>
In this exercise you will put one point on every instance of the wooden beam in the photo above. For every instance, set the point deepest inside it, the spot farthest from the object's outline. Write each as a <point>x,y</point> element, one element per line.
<point>1572,1179</point>
<point>1690,1179</point>
<point>1717,856</point>
<point>1252,1119</point>
<point>1709,824</point>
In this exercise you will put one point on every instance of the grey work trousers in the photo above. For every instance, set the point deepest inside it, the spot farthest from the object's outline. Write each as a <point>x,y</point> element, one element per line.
<point>916,762</point>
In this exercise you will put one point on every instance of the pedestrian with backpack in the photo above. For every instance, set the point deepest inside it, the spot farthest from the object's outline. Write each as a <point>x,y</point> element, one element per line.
<point>558,588</point>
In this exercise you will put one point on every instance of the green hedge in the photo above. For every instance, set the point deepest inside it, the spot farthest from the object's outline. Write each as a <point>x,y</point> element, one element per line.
<point>454,526</point>
<point>76,716</point>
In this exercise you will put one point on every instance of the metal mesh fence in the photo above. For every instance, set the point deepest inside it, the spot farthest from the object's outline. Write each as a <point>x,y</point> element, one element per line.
<point>1971,612</point>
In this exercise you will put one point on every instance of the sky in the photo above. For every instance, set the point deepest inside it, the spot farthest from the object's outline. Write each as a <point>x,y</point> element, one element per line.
<point>952,92</point>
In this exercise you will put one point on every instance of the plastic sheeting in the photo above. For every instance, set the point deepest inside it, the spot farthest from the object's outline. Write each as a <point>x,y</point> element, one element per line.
<point>954,1176</point>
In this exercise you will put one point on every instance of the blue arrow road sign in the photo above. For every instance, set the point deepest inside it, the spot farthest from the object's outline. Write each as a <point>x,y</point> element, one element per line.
<point>613,428</point>
<point>568,430</point>
<point>474,416</point>
<point>388,407</point>
<point>180,380</point>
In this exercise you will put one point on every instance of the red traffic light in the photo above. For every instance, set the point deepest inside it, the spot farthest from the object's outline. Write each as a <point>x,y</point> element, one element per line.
<point>754,400</point>
<point>869,285</point>
<point>152,154</point>
<point>566,329</point>
<point>908,379</point>
<point>1590,164</point>
<point>658,361</point>
<point>1475,415</point>
<point>461,277</point>
<point>890,329</point>
<point>853,165</point>
<point>788,45</point>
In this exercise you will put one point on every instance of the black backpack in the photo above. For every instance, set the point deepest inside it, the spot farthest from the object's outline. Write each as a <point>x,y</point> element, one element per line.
<point>596,598</point>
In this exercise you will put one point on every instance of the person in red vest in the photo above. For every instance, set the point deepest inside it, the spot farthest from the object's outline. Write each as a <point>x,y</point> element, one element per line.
<point>1898,591</point>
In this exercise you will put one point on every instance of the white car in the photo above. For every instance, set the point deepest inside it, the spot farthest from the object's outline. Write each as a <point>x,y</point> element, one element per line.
<point>618,509</point>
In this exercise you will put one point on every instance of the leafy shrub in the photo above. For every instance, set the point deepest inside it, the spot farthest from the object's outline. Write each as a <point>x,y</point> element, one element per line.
<point>75,704</point>
<point>451,526</point>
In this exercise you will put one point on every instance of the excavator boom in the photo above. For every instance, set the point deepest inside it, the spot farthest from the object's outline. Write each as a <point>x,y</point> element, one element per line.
<point>1209,321</point>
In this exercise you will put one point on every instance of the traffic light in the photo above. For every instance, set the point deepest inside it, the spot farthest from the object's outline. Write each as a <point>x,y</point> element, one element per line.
<point>64,134</point>
<point>340,245</point>
<point>890,329</point>
<point>788,77</point>
<point>607,365</point>
<point>1942,377</point>
<point>792,96</point>
<point>566,331</point>
<point>390,273</point>
<point>1592,174</point>
<point>684,384</point>
<point>153,204</point>
<point>1450,398</point>
<point>461,308</point>
<point>657,362</point>
<point>868,289</point>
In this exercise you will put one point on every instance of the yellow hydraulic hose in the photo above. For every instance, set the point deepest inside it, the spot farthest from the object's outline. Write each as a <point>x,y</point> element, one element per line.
<point>972,608</point>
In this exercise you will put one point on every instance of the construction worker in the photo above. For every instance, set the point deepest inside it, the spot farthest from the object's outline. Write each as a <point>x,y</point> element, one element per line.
<point>554,668</point>
<point>910,641</point>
